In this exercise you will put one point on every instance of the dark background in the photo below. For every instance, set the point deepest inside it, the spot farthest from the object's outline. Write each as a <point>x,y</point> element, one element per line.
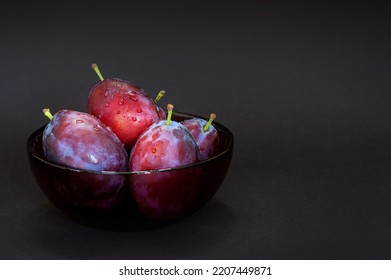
<point>303,87</point>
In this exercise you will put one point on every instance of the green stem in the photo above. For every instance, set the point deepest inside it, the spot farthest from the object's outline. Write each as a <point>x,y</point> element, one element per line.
<point>159,96</point>
<point>211,118</point>
<point>47,113</point>
<point>97,71</point>
<point>170,107</point>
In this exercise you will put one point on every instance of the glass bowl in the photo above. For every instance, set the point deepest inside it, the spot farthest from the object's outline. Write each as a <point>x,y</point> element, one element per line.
<point>131,199</point>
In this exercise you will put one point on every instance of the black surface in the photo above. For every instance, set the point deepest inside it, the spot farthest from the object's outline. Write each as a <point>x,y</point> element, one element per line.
<point>304,88</point>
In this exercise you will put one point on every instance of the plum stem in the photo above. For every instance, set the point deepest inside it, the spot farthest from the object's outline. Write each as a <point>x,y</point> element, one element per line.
<point>211,118</point>
<point>159,96</point>
<point>97,71</point>
<point>170,107</point>
<point>47,113</point>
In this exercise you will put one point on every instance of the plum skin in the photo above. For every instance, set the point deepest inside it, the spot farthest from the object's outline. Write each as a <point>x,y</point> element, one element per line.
<point>169,194</point>
<point>79,140</point>
<point>124,107</point>
<point>207,141</point>
<point>163,146</point>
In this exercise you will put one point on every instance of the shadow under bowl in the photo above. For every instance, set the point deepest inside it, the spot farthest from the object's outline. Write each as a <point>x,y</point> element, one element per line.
<point>131,200</point>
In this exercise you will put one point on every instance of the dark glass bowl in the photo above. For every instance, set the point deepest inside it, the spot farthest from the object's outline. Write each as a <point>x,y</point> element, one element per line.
<point>131,199</point>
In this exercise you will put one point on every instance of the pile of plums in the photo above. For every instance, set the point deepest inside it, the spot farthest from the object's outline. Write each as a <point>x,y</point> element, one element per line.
<point>123,120</point>
<point>125,130</point>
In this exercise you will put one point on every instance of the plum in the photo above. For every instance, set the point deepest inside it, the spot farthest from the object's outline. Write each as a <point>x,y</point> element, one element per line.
<point>205,135</point>
<point>81,141</point>
<point>165,144</point>
<point>124,107</point>
<point>166,194</point>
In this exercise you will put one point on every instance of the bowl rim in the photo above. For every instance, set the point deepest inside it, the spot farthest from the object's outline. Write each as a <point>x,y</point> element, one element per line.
<point>219,126</point>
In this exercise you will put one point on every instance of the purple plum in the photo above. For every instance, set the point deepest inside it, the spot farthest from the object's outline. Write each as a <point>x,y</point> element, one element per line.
<point>168,194</point>
<point>205,135</point>
<point>81,141</point>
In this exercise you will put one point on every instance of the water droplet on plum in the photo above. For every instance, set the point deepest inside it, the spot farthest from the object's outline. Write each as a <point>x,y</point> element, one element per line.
<point>155,136</point>
<point>121,102</point>
<point>178,133</point>
<point>139,110</point>
<point>153,150</point>
<point>106,94</point>
<point>134,119</point>
<point>79,121</point>
<point>107,104</point>
<point>118,112</point>
<point>133,97</point>
<point>92,158</point>
<point>64,125</point>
